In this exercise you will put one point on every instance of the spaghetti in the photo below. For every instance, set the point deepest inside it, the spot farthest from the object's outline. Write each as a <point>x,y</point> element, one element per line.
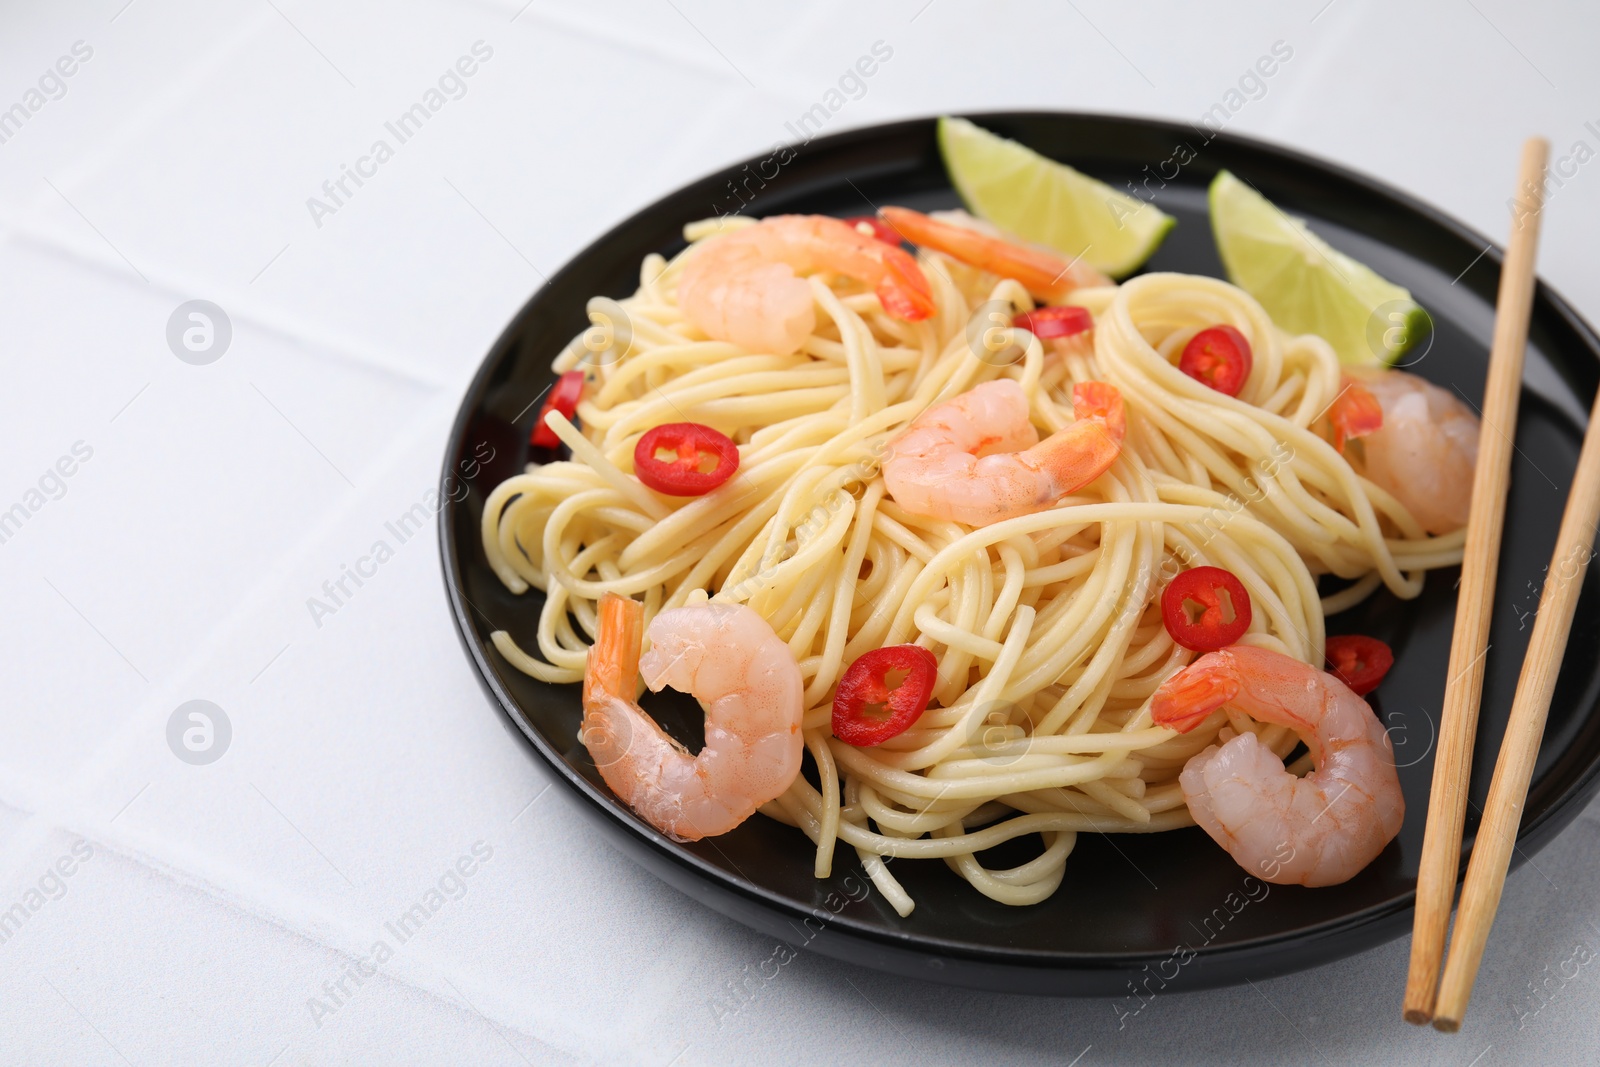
<point>1047,627</point>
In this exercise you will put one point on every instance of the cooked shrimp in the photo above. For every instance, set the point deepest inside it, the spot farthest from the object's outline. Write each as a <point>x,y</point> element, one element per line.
<point>1318,830</point>
<point>1421,449</point>
<point>727,656</point>
<point>742,287</point>
<point>1044,274</point>
<point>977,459</point>
<point>1354,413</point>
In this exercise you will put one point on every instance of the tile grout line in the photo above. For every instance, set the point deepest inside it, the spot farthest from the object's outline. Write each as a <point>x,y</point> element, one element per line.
<point>337,928</point>
<point>241,306</point>
<point>162,696</point>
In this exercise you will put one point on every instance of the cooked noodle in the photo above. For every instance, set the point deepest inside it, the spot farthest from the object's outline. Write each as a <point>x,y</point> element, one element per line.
<point>1047,627</point>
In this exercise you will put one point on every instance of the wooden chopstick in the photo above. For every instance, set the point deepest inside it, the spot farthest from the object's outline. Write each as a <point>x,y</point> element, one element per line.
<point>1452,768</point>
<point>1491,854</point>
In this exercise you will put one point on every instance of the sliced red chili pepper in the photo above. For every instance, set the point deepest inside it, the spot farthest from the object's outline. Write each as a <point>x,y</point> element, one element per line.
<point>1045,323</point>
<point>872,226</point>
<point>1193,608</point>
<point>564,397</point>
<point>693,444</point>
<point>867,710</point>
<point>1219,357</point>
<point>1358,661</point>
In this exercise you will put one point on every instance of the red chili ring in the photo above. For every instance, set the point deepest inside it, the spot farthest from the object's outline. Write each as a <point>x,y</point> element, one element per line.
<point>1358,661</point>
<point>866,711</point>
<point>1218,357</point>
<point>1210,629</point>
<point>880,229</point>
<point>564,397</point>
<point>1048,322</point>
<point>682,476</point>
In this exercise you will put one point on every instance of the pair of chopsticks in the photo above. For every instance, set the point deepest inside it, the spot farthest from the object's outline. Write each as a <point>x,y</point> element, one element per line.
<point>1430,995</point>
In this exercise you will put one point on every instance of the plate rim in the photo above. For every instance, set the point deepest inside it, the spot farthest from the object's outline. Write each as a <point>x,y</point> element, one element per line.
<point>1530,837</point>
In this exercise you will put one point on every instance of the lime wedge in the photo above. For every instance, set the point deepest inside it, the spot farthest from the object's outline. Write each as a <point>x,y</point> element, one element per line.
<point>1308,286</point>
<point>1049,203</point>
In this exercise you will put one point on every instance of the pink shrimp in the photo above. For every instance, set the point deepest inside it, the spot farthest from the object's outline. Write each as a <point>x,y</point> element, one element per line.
<point>1354,413</point>
<point>1318,830</point>
<point>728,657</point>
<point>1044,274</point>
<point>977,459</point>
<point>1421,448</point>
<point>742,287</point>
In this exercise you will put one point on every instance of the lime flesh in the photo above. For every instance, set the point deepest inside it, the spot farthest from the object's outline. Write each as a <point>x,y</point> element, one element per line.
<point>1306,285</point>
<point>1049,203</point>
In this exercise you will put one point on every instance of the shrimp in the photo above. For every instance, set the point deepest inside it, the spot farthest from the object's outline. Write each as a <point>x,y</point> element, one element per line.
<point>742,287</point>
<point>1354,413</point>
<point>727,656</point>
<point>1421,449</point>
<point>1044,274</point>
<point>977,459</point>
<point>1318,830</point>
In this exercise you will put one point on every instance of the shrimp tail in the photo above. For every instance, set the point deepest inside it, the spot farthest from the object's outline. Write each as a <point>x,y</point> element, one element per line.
<point>904,293</point>
<point>1185,699</point>
<point>1355,413</point>
<point>1042,273</point>
<point>1082,452</point>
<point>613,666</point>
<point>1101,401</point>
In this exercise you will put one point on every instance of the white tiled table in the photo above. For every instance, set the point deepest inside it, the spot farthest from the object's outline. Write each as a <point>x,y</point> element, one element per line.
<point>227,913</point>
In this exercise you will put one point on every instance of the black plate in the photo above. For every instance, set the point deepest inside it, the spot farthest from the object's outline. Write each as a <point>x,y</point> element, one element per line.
<point>1164,910</point>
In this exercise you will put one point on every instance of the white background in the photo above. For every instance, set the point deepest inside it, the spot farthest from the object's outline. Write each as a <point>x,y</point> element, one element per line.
<point>219,899</point>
